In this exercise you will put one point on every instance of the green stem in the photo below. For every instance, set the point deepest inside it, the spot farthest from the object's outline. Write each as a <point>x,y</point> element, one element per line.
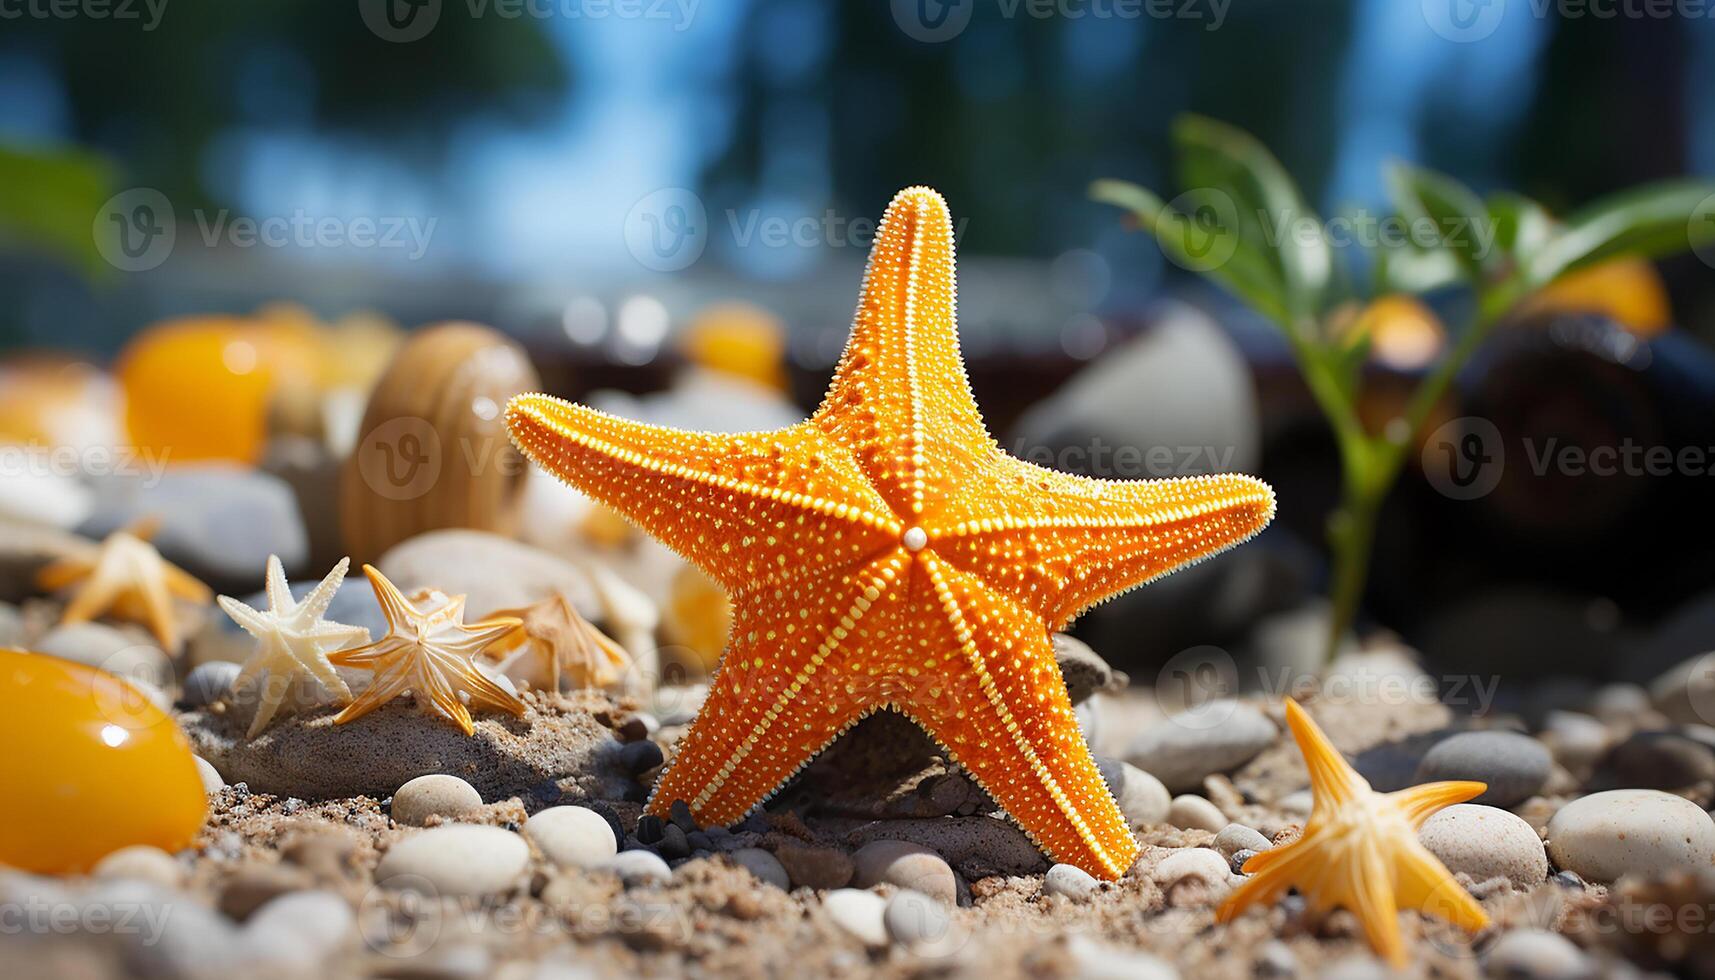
<point>1351,534</point>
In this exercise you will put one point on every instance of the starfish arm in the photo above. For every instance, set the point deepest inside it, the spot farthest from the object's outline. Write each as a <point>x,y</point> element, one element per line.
<point>268,698</point>
<point>434,693</point>
<point>1333,782</point>
<point>1370,896</point>
<point>484,692</point>
<point>1420,802</point>
<point>371,656</point>
<point>278,589</point>
<point>333,636</point>
<point>470,639</point>
<point>1425,884</point>
<point>999,705</point>
<point>1268,879</point>
<point>394,606</point>
<point>389,683</point>
<point>315,605</point>
<point>158,609</point>
<point>308,656</point>
<point>62,573</point>
<point>1061,543</point>
<point>901,377</point>
<point>96,595</point>
<point>757,492</point>
<point>783,690</point>
<point>248,619</point>
<point>185,585</point>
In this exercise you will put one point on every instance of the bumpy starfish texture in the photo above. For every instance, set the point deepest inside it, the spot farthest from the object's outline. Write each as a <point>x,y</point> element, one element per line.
<point>292,639</point>
<point>1360,851</point>
<point>555,641</point>
<point>128,579</point>
<point>429,650</point>
<point>887,554</point>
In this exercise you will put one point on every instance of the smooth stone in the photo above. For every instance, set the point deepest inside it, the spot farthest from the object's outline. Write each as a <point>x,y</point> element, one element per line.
<point>299,930</point>
<point>49,499</point>
<point>763,866</point>
<point>1071,881</point>
<point>1140,796</point>
<point>1576,740</point>
<point>1535,954</point>
<point>209,682</point>
<point>1619,702</point>
<point>1189,812</point>
<point>1630,831</point>
<point>1192,862</point>
<point>1235,837</point>
<point>1685,692</point>
<point>212,782</point>
<point>25,549</point>
<point>12,630</point>
<point>1655,760</point>
<point>219,522</point>
<point>456,859</point>
<point>254,886</point>
<point>1515,766</point>
<point>976,846</point>
<point>434,795</point>
<point>1298,803</point>
<point>491,571</point>
<point>106,648</point>
<point>906,865</point>
<point>194,941</point>
<point>1486,842</point>
<point>639,868</point>
<point>817,868</point>
<point>1092,959</point>
<point>1184,749</point>
<point>1083,670</point>
<point>859,912</point>
<point>640,756</point>
<point>140,862</point>
<point>915,920</point>
<point>572,836</point>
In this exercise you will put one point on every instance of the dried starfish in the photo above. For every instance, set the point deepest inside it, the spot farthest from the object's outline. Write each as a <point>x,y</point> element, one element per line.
<point>560,641</point>
<point>1360,851</point>
<point>292,639</point>
<point>429,652</point>
<point>888,554</point>
<point>128,578</point>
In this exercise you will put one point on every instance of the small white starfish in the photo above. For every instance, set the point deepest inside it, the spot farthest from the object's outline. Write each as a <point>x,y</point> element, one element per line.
<point>292,639</point>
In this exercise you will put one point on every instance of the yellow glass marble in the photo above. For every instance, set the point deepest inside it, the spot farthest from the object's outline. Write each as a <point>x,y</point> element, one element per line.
<point>90,766</point>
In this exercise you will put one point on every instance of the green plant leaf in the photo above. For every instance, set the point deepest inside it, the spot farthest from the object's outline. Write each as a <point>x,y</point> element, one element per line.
<point>1649,222</point>
<point>1450,214</point>
<point>1246,273</point>
<point>1273,219</point>
<point>48,203</point>
<point>1522,226</point>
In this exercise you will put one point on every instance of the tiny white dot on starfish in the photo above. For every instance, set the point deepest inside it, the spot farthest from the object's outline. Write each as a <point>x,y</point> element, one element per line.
<point>915,539</point>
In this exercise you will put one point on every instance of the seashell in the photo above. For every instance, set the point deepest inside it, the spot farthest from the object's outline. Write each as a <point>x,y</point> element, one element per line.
<point>432,450</point>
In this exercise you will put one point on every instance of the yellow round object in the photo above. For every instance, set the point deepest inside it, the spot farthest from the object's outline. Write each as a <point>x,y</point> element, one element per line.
<point>738,339</point>
<point>1626,290</point>
<point>1403,333</point>
<point>91,766</point>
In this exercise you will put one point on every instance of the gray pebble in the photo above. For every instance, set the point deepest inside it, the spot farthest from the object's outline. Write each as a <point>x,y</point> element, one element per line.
<point>915,920</point>
<point>209,682</point>
<point>1189,812</point>
<point>1216,737</point>
<point>1515,766</point>
<point>1140,796</point>
<point>106,648</point>
<point>906,865</point>
<point>1655,760</point>
<point>1535,954</point>
<point>640,756</point>
<point>1236,837</point>
<point>764,866</point>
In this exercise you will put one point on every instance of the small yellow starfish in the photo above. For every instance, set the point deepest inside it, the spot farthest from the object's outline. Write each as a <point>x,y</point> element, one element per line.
<point>560,641</point>
<point>429,653</point>
<point>129,579</point>
<point>292,639</point>
<point>1360,851</point>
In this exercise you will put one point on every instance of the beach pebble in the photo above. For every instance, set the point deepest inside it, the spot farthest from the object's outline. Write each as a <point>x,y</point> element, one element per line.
<point>1298,803</point>
<point>915,920</point>
<point>1189,812</point>
<point>254,886</point>
<point>1236,837</point>
<point>140,862</point>
<point>106,648</point>
<point>1140,796</point>
<point>819,868</point>
<point>859,912</point>
<point>1535,954</point>
<point>1191,862</point>
<point>1083,670</point>
<point>640,756</point>
<point>492,571</point>
<point>1515,766</point>
<point>299,930</point>
<point>209,682</point>
<point>906,865</point>
<point>1630,831</point>
<point>1071,881</point>
<point>211,778</point>
<point>1184,749</point>
<point>456,859</point>
<point>1655,760</point>
<point>1486,842</point>
<point>1575,739</point>
<point>572,836</point>
<point>434,795</point>
<point>764,866</point>
<point>1685,693</point>
<point>1274,959</point>
<point>639,868</point>
<point>1619,702</point>
<point>1092,959</point>
<point>194,940</point>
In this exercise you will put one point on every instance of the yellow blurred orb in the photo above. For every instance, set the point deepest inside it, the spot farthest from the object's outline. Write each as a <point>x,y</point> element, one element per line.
<point>1403,333</point>
<point>738,339</point>
<point>91,766</point>
<point>1626,290</point>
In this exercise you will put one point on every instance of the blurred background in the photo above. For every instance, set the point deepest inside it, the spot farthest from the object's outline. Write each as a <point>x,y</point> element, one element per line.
<point>217,222</point>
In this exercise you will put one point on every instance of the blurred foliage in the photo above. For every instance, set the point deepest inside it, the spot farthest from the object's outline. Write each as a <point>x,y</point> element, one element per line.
<point>48,199</point>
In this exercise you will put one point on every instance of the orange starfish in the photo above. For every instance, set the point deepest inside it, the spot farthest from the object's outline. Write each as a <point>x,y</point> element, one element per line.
<point>1360,851</point>
<point>558,640</point>
<point>886,553</point>
<point>128,577</point>
<point>428,652</point>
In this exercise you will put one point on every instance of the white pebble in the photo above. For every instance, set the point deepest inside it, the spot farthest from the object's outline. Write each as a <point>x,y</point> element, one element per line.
<point>456,859</point>
<point>140,862</point>
<point>1236,837</point>
<point>435,795</point>
<point>572,836</point>
<point>916,921</point>
<point>1486,842</point>
<point>1094,960</point>
<point>299,929</point>
<point>640,868</point>
<point>1192,862</point>
<point>1189,812</point>
<point>211,780</point>
<point>859,912</point>
<point>1535,954</point>
<point>1630,831</point>
<point>1069,880</point>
